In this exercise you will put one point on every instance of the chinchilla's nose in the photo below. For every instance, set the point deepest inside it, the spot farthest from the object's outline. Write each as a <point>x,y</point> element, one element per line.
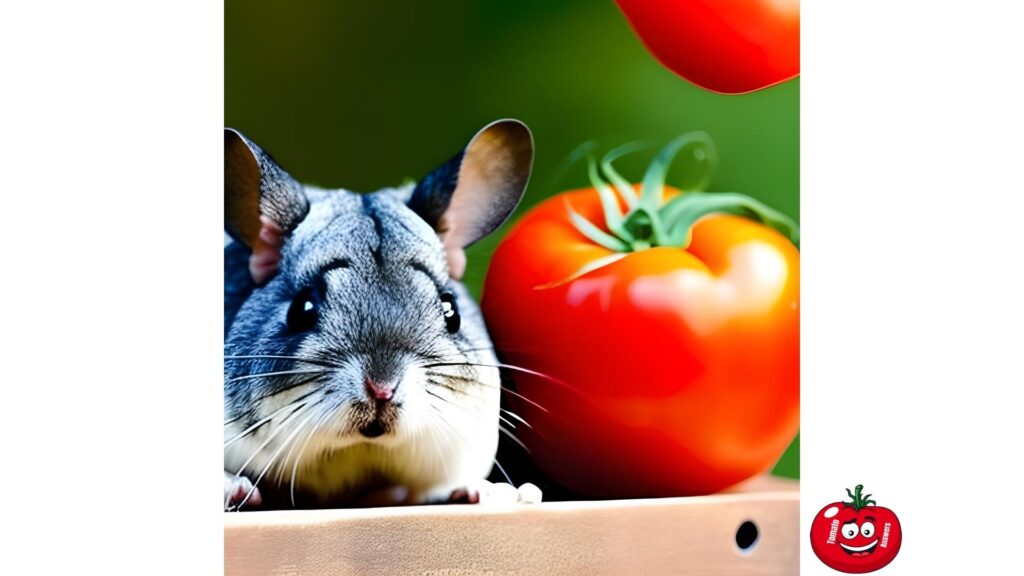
<point>380,391</point>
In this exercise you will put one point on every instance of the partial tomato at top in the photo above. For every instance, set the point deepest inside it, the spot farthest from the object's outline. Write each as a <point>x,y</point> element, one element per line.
<point>653,334</point>
<point>727,46</point>
<point>856,536</point>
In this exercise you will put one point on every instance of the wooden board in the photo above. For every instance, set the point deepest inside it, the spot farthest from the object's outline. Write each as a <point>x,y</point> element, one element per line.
<point>695,535</point>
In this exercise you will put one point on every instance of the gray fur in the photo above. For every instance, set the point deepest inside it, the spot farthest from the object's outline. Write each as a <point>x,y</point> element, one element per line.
<point>377,308</point>
<point>380,271</point>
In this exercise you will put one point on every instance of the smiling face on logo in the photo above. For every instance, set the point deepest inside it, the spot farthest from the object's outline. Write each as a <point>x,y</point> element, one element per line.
<point>856,537</point>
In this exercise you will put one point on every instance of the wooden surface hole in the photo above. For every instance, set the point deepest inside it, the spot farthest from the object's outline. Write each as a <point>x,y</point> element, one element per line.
<point>747,536</point>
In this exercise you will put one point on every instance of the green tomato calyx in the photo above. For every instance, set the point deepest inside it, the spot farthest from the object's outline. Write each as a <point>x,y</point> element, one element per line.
<point>649,221</point>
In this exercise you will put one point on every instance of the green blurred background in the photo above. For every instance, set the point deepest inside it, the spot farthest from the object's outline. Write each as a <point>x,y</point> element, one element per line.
<point>362,95</point>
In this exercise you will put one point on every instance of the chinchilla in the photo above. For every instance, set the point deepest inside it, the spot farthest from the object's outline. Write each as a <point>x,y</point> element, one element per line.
<point>358,370</point>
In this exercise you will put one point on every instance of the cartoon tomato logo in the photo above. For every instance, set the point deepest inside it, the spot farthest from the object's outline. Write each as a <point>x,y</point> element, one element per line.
<point>856,537</point>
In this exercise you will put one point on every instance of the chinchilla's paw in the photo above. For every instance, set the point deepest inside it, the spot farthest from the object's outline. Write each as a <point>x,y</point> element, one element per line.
<point>500,493</point>
<point>529,494</point>
<point>239,491</point>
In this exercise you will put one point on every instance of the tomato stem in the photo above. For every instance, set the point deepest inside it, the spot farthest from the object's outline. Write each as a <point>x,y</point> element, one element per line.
<point>652,222</point>
<point>683,211</point>
<point>621,184</point>
<point>594,233</point>
<point>859,501</point>
<point>701,148</point>
<point>612,215</point>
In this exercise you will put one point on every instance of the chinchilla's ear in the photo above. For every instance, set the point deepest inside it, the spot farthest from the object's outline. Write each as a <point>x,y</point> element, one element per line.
<point>472,194</point>
<point>262,202</point>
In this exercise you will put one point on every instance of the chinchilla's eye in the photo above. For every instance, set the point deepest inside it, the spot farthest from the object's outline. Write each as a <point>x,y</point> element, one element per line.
<point>450,312</point>
<point>302,313</point>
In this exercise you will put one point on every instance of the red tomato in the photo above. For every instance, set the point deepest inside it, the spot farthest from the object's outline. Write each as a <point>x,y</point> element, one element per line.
<point>728,46</point>
<point>667,364</point>
<point>857,536</point>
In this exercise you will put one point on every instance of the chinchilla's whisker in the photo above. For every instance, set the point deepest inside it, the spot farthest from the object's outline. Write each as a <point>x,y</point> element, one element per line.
<point>437,443</point>
<point>287,456</point>
<point>301,409</point>
<point>457,390</point>
<point>458,377</point>
<point>500,365</point>
<point>281,373</point>
<point>502,469</point>
<point>463,408</point>
<point>276,453</point>
<point>314,361</point>
<point>513,438</point>
<point>525,399</point>
<point>519,418</point>
<point>298,458</point>
<point>263,421</point>
<point>435,394</point>
<point>448,425</point>
<point>449,402</point>
<point>290,444</point>
<point>476,416</point>
<point>300,382</point>
<point>547,377</point>
<point>446,422</point>
<point>500,417</point>
<point>452,388</point>
<point>464,392</point>
<point>326,416</point>
<point>272,436</point>
<point>504,389</point>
